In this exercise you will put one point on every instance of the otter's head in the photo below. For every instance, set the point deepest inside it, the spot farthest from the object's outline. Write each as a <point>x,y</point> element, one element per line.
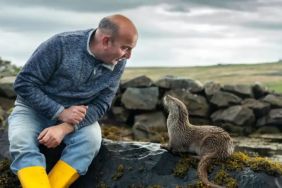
<point>174,105</point>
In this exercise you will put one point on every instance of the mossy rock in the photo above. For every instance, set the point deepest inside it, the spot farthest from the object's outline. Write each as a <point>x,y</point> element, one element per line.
<point>7,178</point>
<point>237,162</point>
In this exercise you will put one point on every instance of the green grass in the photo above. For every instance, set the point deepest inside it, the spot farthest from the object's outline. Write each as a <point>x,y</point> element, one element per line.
<point>269,74</point>
<point>275,86</point>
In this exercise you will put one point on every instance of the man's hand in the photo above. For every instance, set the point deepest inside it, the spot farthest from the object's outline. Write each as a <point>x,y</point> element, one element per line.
<point>74,114</point>
<point>51,137</point>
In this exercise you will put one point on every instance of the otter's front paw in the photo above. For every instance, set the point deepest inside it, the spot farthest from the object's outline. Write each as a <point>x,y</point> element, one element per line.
<point>165,146</point>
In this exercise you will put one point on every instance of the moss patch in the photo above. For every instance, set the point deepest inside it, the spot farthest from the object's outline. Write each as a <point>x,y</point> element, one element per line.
<point>119,172</point>
<point>116,133</point>
<point>238,161</point>
<point>7,178</point>
<point>223,178</point>
<point>183,165</point>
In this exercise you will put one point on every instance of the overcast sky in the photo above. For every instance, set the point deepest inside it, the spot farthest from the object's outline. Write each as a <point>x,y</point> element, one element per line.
<point>171,32</point>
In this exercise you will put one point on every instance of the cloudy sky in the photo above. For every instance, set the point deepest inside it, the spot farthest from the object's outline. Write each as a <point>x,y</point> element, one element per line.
<point>171,32</point>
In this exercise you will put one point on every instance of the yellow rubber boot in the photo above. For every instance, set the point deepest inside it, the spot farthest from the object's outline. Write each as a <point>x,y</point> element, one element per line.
<point>62,175</point>
<point>33,177</point>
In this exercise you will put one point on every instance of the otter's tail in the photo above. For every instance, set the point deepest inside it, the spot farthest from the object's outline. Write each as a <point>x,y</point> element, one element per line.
<point>202,170</point>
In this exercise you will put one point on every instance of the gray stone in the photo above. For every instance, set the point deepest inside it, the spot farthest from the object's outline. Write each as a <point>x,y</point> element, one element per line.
<point>120,113</point>
<point>6,87</point>
<point>197,105</point>
<point>173,82</point>
<point>143,164</point>
<point>139,164</point>
<point>4,144</point>
<point>140,81</point>
<point>237,115</point>
<point>211,88</point>
<point>259,90</point>
<point>223,99</point>
<point>148,125</point>
<point>140,98</point>
<point>260,108</point>
<point>274,100</point>
<point>240,90</point>
<point>274,117</point>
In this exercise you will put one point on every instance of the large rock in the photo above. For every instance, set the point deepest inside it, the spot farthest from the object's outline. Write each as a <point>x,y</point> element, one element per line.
<point>7,69</point>
<point>274,117</point>
<point>140,98</point>
<point>139,164</point>
<point>223,99</point>
<point>260,108</point>
<point>197,105</point>
<point>6,87</point>
<point>274,100</point>
<point>259,90</point>
<point>140,81</point>
<point>240,90</point>
<point>4,144</point>
<point>120,114</point>
<point>211,88</point>
<point>238,115</point>
<point>133,164</point>
<point>173,82</point>
<point>147,126</point>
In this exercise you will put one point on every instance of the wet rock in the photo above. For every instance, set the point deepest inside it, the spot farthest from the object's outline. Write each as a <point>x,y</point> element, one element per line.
<point>142,164</point>
<point>133,164</point>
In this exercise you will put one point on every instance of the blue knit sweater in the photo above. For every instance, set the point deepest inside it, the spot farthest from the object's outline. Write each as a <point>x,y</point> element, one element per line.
<point>63,72</point>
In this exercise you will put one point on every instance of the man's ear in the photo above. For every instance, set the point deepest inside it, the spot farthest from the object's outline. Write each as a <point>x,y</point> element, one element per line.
<point>106,41</point>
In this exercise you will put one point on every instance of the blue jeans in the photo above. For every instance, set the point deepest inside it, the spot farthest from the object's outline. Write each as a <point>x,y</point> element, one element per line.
<point>24,127</point>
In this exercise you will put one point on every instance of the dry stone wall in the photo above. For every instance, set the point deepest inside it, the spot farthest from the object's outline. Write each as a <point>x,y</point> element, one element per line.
<point>240,109</point>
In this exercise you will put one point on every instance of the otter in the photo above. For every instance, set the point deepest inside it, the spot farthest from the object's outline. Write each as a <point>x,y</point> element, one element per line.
<point>208,142</point>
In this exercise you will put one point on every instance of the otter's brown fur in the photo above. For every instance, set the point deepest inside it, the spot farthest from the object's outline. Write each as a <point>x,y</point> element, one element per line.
<point>208,142</point>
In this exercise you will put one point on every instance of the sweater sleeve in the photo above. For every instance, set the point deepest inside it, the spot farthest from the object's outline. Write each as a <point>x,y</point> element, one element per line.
<point>35,73</point>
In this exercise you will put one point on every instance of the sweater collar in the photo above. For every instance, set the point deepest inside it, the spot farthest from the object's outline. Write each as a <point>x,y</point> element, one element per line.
<point>92,32</point>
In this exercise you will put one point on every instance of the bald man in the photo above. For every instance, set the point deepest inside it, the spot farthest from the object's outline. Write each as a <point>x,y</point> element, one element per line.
<point>65,87</point>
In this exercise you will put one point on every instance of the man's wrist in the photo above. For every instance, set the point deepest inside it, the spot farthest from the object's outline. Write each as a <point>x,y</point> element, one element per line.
<point>67,128</point>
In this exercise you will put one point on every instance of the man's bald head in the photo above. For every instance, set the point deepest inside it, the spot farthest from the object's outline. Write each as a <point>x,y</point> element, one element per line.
<point>117,25</point>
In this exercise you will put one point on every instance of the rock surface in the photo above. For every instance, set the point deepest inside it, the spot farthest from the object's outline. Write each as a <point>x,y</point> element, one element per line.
<point>135,164</point>
<point>143,164</point>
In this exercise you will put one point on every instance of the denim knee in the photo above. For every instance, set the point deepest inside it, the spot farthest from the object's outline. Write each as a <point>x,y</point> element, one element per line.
<point>24,149</point>
<point>24,125</point>
<point>82,146</point>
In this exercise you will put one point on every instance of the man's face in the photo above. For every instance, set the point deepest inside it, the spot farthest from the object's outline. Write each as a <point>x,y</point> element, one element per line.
<point>119,49</point>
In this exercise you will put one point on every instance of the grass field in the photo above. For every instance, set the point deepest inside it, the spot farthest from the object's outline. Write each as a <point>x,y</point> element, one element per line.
<point>269,74</point>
